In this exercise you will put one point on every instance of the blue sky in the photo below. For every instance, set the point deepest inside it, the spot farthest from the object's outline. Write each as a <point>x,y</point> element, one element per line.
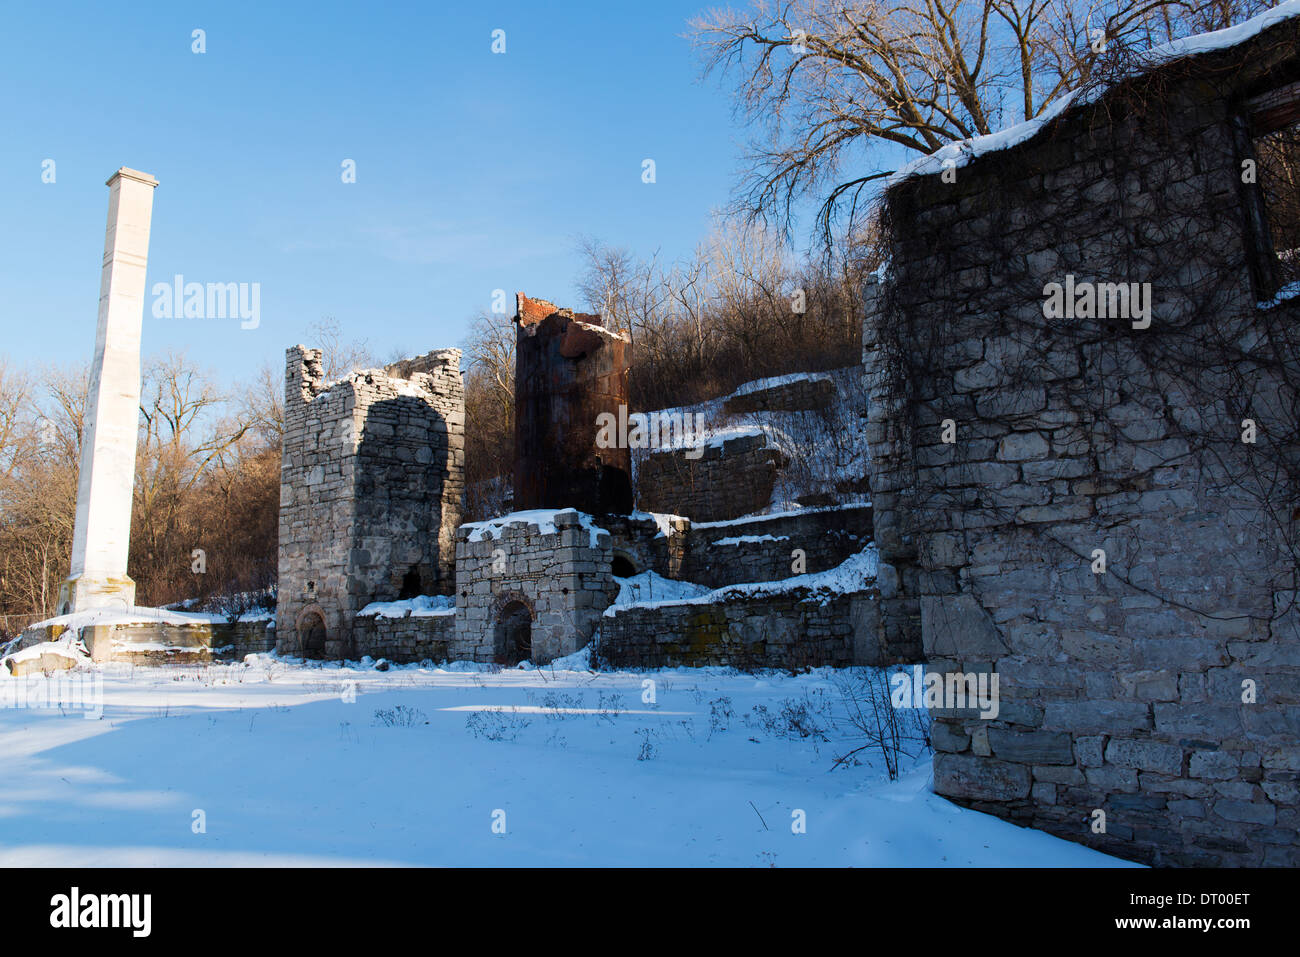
<point>475,171</point>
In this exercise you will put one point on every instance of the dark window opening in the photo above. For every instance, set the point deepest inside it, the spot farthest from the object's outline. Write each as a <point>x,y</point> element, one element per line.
<point>1274,199</point>
<point>1279,185</point>
<point>620,567</point>
<point>410,585</point>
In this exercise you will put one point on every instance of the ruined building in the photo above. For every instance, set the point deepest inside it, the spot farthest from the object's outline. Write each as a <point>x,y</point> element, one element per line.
<point>370,515</point>
<point>370,493</point>
<point>569,369</point>
<point>1084,368</point>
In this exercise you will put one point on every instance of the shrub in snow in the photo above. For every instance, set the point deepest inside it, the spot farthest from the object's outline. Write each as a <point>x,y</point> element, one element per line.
<point>893,733</point>
<point>495,725</point>
<point>400,716</point>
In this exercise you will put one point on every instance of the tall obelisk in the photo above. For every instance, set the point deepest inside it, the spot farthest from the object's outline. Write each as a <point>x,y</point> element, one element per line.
<point>102,535</point>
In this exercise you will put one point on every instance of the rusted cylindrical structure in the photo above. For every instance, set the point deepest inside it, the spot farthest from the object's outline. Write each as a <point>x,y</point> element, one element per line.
<point>569,369</point>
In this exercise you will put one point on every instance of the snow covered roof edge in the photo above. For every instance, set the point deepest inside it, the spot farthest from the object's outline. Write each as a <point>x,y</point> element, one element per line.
<point>963,152</point>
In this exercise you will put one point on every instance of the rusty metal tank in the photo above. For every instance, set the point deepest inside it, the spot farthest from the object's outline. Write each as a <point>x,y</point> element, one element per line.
<point>568,370</point>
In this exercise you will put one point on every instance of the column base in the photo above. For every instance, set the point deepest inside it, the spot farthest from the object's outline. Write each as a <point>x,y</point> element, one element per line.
<point>91,591</point>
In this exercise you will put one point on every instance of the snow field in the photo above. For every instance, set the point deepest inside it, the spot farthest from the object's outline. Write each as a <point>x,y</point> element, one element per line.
<point>328,764</point>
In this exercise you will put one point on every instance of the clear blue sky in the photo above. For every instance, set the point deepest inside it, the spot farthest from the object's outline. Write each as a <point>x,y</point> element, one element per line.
<point>475,171</point>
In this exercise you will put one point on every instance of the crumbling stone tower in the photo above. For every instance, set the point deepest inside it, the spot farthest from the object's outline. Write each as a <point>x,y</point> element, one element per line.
<point>568,370</point>
<point>371,484</point>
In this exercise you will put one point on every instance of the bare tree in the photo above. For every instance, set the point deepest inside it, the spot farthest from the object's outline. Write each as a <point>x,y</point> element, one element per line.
<point>208,477</point>
<point>42,418</point>
<point>738,308</point>
<point>838,90</point>
<point>262,405</point>
<point>339,354</point>
<point>184,440</point>
<point>489,414</point>
<point>17,429</point>
<point>607,281</point>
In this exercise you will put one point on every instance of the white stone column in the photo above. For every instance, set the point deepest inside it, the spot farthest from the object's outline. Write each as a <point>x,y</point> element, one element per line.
<point>102,535</point>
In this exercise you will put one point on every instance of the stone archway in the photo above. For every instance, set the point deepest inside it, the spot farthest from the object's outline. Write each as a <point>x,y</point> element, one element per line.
<point>312,633</point>
<point>512,628</point>
<point>623,565</point>
<point>513,638</point>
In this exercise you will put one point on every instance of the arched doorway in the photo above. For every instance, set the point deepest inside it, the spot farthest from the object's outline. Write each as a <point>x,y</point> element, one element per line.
<point>312,635</point>
<point>621,566</point>
<point>513,637</point>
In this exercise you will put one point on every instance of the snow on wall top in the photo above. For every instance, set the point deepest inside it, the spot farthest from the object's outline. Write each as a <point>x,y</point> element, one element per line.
<point>359,378</point>
<point>855,573</point>
<point>962,152</point>
<point>602,331</point>
<point>716,438</point>
<point>736,540</point>
<point>789,513</point>
<point>1221,39</point>
<point>547,521</point>
<point>663,520</point>
<point>649,586</point>
<point>141,616</point>
<point>762,385</point>
<point>424,606</point>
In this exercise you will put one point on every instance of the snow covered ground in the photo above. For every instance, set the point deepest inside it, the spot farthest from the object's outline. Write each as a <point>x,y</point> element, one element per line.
<point>288,763</point>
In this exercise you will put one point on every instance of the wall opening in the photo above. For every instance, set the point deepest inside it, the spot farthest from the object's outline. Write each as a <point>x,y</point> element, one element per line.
<point>312,635</point>
<point>622,567</point>
<point>410,584</point>
<point>1273,202</point>
<point>513,638</point>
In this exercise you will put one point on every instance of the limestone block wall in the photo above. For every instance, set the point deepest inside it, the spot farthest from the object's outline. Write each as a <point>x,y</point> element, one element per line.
<point>729,479</point>
<point>775,631</point>
<point>243,638</point>
<point>762,548</point>
<point>658,543</point>
<point>155,643</point>
<point>370,495</point>
<point>408,639</point>
<point>553,567</point>
<point>1009,448</point>
<point>797,393</point>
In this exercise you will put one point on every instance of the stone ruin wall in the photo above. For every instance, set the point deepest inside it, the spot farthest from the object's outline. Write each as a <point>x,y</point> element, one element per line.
<point>729,479</point>
<point>561,577</point>
<point>761,548</point>
<point>789,631</point>
<point>407,639</point>
<point>805,393</point>
<point>1123,691</point>
<point>371,489</point>
<point>567,585</point>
